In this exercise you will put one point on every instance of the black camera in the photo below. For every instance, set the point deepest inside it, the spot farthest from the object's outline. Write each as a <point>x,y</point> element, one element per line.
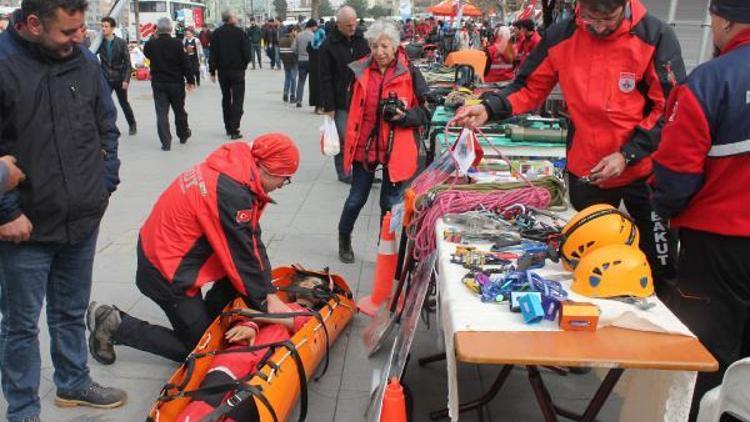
<point>390,107</point>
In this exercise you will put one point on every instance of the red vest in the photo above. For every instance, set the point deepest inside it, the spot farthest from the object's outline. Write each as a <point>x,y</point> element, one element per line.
<point>402,163</point>
<point>500,69</point>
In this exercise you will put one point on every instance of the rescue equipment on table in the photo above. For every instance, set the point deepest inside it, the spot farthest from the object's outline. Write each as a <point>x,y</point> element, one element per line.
<point>460,97</point>
<point>594,227</point>
<point>579,316</point>
<point>283,372</point>
<point>614,271</point>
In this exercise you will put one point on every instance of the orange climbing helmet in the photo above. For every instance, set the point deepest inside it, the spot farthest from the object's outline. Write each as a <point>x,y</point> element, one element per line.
<point>613,271</point>
<point>594,227</point>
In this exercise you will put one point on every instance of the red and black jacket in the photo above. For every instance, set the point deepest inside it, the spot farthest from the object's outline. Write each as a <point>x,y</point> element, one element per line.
<point>204,227</point>
<point>702,167</point>
<point>615,88</point>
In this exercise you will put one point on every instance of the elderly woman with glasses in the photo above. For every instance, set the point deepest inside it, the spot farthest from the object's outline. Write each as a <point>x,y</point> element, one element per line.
<point>387,109</point>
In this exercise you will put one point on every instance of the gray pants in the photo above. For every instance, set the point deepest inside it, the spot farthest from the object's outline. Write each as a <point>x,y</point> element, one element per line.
<point>340,117</point>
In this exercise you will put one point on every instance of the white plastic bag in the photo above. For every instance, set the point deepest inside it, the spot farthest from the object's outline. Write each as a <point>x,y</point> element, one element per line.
<point>204,71</point>
<point>329,137</point>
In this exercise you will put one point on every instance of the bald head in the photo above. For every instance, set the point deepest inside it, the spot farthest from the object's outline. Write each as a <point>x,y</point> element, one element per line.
<point>346,21</point>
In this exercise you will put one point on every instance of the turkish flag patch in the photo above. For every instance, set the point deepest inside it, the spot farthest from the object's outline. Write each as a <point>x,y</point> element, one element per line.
<point>244,216</point>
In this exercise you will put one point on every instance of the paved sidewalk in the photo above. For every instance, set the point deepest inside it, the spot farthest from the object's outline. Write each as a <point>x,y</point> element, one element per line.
<point>302,228</point>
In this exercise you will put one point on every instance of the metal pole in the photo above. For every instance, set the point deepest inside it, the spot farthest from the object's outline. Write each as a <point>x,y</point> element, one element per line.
<point>672,12</point>
<point>705,52</point>
<point>137,13</point>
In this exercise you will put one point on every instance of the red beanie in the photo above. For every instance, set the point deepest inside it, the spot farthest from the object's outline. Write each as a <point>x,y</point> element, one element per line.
<point>276,153</point>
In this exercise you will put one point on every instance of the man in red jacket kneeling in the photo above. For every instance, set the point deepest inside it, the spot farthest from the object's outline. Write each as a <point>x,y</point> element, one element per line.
<point>204,228</point>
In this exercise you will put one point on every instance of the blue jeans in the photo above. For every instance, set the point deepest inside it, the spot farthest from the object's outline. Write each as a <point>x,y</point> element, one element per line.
<point>276,57</point>
<point>29,272</point>
<point>290,80</point>
<point>390,194</point>
<point>303,68</point>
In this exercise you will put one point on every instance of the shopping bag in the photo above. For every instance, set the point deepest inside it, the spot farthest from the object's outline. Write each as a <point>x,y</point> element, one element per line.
<point>329,137</point>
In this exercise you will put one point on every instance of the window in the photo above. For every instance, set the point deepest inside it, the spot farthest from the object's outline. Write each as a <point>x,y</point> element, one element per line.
<point>152,6</point>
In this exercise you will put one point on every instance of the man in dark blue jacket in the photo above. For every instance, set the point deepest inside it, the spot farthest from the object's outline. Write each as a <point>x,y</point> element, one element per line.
<point>702,174</point>
<point>57,118</point>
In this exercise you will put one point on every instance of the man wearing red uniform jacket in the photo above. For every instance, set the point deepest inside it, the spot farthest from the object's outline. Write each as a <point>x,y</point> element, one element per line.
<point>528,39</point>
<point>204,228</point>
<point>616,65</point>
<point>702,174</point>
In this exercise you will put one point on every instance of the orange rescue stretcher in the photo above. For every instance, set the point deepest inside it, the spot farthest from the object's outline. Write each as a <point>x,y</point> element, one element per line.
<point>276,385</point>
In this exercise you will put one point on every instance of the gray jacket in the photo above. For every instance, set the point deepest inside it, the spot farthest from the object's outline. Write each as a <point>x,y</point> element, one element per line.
<point>299,45</point>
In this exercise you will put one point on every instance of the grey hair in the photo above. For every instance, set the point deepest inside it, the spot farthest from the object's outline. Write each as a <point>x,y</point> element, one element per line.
<point>226,15</point>
<point>383,27</point>
<point>164,25</point>
<point>345,11</point>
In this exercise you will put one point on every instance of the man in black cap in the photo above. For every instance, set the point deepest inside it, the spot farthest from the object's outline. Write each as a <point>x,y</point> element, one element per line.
<point>702,170</point>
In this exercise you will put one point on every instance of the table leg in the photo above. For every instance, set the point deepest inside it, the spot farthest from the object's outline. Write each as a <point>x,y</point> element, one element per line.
<point>481,401</point>
<point>542,395</point>
<point>602,393</point>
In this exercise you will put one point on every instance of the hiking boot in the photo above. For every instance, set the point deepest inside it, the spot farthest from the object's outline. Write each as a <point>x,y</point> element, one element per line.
<point>102,321</point>
<point>94,396</point>
<point>346,254</point>
<point>299,105</point>
<point>133,130</point>
<point>292,99</point>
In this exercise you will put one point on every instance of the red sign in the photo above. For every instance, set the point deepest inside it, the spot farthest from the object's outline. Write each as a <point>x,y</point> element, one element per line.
<point>147,30</point>
<point>198,17</point>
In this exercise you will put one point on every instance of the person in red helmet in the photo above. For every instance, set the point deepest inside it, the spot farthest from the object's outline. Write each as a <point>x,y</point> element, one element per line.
<point>204,228</point>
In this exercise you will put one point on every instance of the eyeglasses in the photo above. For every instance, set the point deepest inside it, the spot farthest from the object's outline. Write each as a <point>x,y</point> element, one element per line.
<point>612,19</point>
<point>287,181</point>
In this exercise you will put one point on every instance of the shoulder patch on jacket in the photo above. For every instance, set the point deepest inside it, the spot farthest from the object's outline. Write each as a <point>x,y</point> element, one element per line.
<point>244,216</point>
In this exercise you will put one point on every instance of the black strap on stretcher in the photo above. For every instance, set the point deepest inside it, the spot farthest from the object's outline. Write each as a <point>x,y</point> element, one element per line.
<point>240,385</point>
<point>280,315</point>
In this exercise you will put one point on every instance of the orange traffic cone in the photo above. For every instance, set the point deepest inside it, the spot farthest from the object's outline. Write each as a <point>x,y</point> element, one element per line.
<point>394,405</point>
<point>385,270</point>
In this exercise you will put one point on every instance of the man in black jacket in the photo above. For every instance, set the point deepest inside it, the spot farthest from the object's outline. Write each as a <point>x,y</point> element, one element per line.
<point>255,36</point>
<point>59,121</point>
<point>230,55</point>
<point>169,71</point>
<point>343,46</point>
<point>115,58</point>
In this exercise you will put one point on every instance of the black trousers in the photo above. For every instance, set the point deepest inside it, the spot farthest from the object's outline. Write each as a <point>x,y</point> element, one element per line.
<point>657,242</point>
<point>712,297</point>
<point>168,95</point>
<point>232,84</point>
<point>122,98</point>
<point>195,66</point>
<point>189,316</point>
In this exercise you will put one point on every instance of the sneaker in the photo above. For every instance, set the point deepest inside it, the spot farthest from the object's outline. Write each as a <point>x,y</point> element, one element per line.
<point>285,98</point>
<point>236,136</point>
<point>133,130</point>
<point>299,105</point>
<point>94,396</point>
<point>102,321</point>
<point>292,99</point>
<point>166,147</point>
